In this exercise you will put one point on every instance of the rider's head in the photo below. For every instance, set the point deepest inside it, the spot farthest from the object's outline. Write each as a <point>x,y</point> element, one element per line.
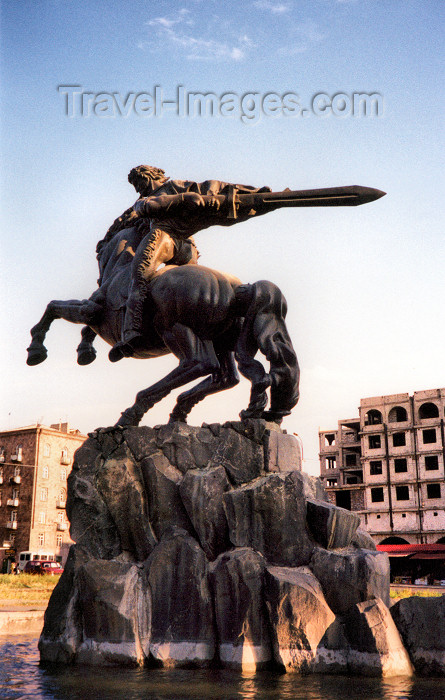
<point>143,177</point>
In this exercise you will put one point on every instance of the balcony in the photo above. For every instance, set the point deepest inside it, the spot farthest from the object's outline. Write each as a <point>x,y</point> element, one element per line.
<point>62,526</point>
<point>60,503</point>
<point>13,502</point>
<point>17,457</point>
<point>65,460</point>
<point>7,544</point>
<point>15,479</point>
<point>11,525</point>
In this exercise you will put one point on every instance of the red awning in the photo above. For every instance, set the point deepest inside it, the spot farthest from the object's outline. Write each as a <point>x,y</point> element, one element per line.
<point>414,551</point>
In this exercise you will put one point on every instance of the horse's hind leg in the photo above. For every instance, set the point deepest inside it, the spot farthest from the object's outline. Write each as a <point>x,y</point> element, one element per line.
<point>75,311</point>
<point>86,353</point>
<point>225,378</point>
<point>197,358</point>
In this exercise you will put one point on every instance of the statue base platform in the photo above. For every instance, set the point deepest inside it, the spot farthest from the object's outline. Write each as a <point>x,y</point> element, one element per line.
<point>209,545</point>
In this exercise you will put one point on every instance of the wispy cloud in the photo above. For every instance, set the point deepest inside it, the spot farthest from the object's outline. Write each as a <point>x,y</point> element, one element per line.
<point>208,36</point>
<point>277,8</point>
<point>177,31</point>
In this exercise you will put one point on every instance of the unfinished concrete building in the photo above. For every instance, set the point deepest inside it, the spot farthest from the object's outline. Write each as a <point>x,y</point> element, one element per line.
<point>388,465</point>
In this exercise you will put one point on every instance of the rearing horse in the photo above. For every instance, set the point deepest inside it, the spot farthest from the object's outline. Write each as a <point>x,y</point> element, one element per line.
<point>209,320</point>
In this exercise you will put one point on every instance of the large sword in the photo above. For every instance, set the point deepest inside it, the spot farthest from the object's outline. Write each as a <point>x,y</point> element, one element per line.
<point>262,202</point>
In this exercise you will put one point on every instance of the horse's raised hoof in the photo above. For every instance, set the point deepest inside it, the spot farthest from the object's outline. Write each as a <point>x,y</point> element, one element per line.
<point>85,355</point>
<point>128,419</point>
<point>177,418</point>
<point>36,354</point>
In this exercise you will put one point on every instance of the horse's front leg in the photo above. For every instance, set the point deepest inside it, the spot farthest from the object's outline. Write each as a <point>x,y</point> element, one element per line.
<point>75,311</point>
<point>226,377</point>
<point>86,353</point>
<point>197,358</point>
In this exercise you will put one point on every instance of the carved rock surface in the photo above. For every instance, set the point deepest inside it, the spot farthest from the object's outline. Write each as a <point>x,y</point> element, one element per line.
<point>299,616</point>
<point>331,526</point>
<point>202,495</point>
<point>421,623</point>
<point>283,453</point>
<point>182,629</point>
<point>241,617</point>
<point>375,646</point>
<point>351,576</point>
<point>269,515</point>
<point>116,612</point>
<point>193,547</point>
<point>165,507</point>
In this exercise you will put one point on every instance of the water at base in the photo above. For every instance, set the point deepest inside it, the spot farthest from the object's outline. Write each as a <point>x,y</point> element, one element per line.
<point>22,677</point>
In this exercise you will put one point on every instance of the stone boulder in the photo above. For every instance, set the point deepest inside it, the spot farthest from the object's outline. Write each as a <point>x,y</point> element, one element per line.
<point>207,545</point>
<point>241,616</point>
<point>421,623</point>
<point>299,616</point>
<point>375,646</point>
<point>331,526</point>
<point>269,515</point>
<point>116,614</point>
<point>164,503</point>
<point>351,576</point>
<point>182,626</point>
<point>202,495</point>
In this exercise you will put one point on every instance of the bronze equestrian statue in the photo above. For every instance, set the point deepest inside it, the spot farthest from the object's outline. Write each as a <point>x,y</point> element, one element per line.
<point>209,320</point>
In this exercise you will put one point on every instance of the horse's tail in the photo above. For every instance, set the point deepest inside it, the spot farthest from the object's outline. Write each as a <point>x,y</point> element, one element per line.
<point>264,329</point>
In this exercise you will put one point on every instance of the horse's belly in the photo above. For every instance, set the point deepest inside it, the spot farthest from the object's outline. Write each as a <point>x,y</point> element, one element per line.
<point>194,296</point>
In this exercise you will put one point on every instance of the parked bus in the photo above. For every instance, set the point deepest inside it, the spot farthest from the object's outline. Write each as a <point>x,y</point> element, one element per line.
<point>24,557</point>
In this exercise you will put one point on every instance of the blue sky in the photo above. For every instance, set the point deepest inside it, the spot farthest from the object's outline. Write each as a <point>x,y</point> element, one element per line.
<point>364,285</point>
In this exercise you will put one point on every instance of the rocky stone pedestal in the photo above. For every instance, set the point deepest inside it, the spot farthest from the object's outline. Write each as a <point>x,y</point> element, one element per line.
<point>198,546</point>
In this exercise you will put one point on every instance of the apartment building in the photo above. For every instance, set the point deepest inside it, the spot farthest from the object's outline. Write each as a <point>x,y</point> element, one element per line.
<point>34,465</point>
<point>388,465</point>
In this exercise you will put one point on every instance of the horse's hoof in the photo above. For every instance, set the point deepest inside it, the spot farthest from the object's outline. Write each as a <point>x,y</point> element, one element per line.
<point>175,418</point>
<point>36,355</point>
<point>85,356</point>
<point>128,419</point>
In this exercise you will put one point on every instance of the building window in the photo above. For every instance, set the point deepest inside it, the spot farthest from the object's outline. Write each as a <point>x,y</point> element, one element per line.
<point>44,494</point>
<point>398,439</point>
<point>12,540</point>
<point>377,495</point>
<point>16,471</point>
<point>15,493</point>
<point>60,517</point>
<point>351,459</point>
<point>330,439</point>
<point>331,462</point>
<point>42,517</point>
<point>332,482</point>
<point>13,516</point>
<point>63,475</point>
<point>41,539</point>
<point>47,450</point>
<point>373,417</point>
<point>428,410</point>
<point>428,436</point>
<point>431,462</point>
<point>374,442</point>
<point>433,490</point>
<point>402,493</point>
<point>59,540</point>
<point>400,465</point>
<point>2,454</point>
<point>397,415</point>
<point>45,472</point>
<point>375,467</point>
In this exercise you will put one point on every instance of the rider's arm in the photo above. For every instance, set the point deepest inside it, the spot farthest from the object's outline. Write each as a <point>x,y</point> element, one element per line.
<point>168,204</point>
